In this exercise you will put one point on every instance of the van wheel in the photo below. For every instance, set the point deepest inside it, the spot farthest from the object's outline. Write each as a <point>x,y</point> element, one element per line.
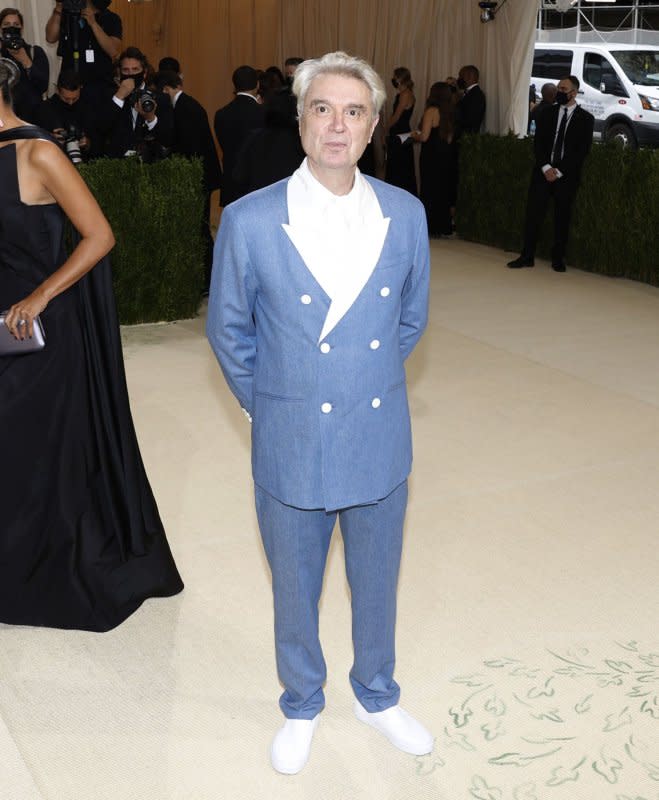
<point>621,134</point>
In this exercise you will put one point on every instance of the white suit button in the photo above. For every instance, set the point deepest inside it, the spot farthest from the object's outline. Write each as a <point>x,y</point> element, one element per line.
<point>325,348</point>
<point>375,402</point>
<point>306,299</point>
<point>326,408</point>
<point>384,291</point>
<point>375,344</point>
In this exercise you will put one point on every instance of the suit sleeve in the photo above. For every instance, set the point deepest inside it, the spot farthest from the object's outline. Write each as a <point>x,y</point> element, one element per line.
<point>579,148</point>
<point>230,323</point>
<point>414,303</point>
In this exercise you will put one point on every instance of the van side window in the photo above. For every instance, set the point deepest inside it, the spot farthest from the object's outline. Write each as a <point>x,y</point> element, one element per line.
<point>598,73</point>
<point>552,64</point>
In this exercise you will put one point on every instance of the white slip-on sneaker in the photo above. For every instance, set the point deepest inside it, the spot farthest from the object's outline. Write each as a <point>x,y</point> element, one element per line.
<point>292,745</point>
<point>402,730</point>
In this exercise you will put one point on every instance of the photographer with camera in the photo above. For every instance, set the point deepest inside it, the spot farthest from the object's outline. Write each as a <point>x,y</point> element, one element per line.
<point>89,39</point>
<point>70,118</point>
<point>135,119</point>
<point>31,61</point>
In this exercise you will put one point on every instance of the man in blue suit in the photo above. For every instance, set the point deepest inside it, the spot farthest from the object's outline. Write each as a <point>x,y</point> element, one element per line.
<point>319,293</point>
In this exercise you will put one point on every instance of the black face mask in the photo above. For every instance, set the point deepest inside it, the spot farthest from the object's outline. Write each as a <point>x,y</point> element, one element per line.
<point>562,98</point>
<point>462,85</point>
<point>138,78</point>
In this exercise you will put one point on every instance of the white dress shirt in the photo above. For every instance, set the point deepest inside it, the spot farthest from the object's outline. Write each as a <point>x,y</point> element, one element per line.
<point>339,237</point>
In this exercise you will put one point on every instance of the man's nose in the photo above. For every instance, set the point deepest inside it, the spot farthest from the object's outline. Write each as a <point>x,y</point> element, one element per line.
<point>338,120</point>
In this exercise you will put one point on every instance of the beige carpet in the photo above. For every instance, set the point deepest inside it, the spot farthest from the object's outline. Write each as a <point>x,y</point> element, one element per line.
<point>528,600</point>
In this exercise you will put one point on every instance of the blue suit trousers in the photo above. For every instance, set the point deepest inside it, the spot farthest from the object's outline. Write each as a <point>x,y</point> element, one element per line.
<point>296,543</point>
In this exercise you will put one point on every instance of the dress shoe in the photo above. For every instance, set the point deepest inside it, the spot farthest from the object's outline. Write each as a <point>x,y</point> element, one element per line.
<point>522,261</point>
<point>402,730</point>
<point>292,745</point>
<point>558,266</point>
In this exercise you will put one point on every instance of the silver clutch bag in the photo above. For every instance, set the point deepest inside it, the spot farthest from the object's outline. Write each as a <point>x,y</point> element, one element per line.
<point>9,346</point>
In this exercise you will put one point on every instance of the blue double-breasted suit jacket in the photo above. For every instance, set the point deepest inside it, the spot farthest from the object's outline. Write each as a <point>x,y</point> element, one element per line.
<point>331,425</point>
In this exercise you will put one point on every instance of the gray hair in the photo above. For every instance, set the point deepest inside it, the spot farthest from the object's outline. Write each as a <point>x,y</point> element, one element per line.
<point>9,76</point>
<point>338,63</point>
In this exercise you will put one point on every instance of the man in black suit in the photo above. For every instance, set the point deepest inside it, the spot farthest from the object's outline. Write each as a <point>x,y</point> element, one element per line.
<point>193,137</point>
<point>563,138</point>
<point>233,124</point>
<point>131,121</point>
<point>470,110</point>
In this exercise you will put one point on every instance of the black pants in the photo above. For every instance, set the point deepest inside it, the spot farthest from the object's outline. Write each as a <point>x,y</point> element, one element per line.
<point>563,192</point>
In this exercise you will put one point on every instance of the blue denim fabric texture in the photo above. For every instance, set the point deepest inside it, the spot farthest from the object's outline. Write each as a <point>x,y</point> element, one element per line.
<point>296,542</point>
<point>331,425</point>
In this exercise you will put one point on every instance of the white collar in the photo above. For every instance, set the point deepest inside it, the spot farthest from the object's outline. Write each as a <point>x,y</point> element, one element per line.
<point>247,94</point>
<point>339,237</point>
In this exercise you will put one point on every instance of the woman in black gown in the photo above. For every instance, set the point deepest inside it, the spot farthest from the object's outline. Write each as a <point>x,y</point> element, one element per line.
<point>438,164</point>
<point>81,541</point>
<point>400,155</point>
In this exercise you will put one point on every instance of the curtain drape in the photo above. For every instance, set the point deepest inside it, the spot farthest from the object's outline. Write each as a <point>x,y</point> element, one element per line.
<point>433,38</point>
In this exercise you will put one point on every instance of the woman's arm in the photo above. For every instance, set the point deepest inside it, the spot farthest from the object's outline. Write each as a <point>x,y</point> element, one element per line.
<point>54,23</point>
<point>429,121</point>
<point>61,181</point>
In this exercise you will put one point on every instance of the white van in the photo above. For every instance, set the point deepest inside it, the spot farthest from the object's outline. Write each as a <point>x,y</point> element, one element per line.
<point>619,85</point>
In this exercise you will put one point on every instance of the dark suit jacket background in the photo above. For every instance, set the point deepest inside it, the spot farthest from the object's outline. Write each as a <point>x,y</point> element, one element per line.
<point>576,146</point>
<point>53,113</point>
<point>233,124</point>
<point>193,137</point>
<point>470,111</point>
<point>116,125</point>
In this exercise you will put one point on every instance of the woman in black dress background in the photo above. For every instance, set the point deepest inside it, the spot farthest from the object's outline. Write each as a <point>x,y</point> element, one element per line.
<point>400,155</point>
<point>32,63</point>
<point>81,541</point>
<point>438,165</point>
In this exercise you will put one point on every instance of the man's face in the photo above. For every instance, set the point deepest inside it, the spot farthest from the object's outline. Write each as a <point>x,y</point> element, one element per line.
<point>566,86</point>
<point>69,96</point>
<point>289,70</point>
<point>336,122</point>
<point>130,67</point>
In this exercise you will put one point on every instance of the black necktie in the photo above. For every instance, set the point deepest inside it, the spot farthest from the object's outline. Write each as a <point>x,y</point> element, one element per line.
<point>560,138</point>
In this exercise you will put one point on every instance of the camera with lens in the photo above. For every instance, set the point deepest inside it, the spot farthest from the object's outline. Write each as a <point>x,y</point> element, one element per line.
<point>72,137</point>
<point>12,38</point>
<point>145,98</point>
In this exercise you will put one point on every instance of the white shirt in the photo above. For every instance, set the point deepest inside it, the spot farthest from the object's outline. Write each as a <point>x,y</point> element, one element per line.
<point>248,94</point>
<point>339,237</point>
<point>150,125</point>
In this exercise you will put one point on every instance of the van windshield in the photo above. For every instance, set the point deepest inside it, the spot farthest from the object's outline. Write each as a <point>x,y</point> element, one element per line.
<point>640,66</point>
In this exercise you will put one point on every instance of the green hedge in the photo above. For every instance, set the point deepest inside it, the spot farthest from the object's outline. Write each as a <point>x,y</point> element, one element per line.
<point>614,226</point>
<point>155,211</point>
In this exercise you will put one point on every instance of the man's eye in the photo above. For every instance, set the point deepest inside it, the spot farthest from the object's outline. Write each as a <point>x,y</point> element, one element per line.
<point>354,113</point>
<point>321,109</point>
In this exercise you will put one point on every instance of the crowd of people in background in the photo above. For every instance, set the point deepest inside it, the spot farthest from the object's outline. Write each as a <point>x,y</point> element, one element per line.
<point>109,101</point>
